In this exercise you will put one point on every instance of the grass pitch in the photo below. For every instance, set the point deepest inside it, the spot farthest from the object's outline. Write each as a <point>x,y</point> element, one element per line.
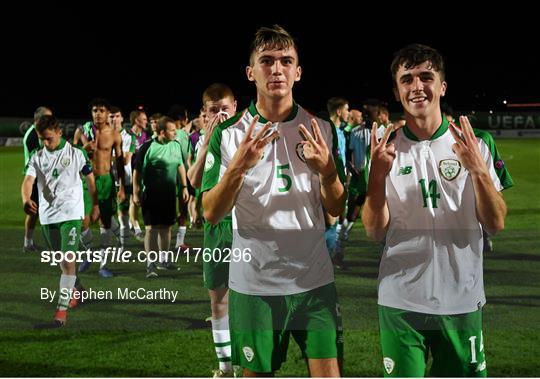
<point>160,338</point>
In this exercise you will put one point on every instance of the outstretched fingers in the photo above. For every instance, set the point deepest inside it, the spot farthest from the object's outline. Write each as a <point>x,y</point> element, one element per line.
<point>467,130</point>
<point>455,133</point>
<point>374,141</point>
<point>386,135</point>
<point>307,135</point>
<point>316,130</point>
<point>261,134</point>
<point>251,128</point>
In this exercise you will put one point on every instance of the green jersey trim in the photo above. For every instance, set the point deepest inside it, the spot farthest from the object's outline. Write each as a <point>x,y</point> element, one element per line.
<point>439,132</point>
<point>253,111</point>
<point>61,144</point>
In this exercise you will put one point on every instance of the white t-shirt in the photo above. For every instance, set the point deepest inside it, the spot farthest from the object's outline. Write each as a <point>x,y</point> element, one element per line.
<point>432,261</point>
<point>58,175</point>
<point>278,216</point>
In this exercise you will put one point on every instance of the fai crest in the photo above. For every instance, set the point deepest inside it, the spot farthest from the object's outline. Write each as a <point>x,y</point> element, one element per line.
<point>300,152</point>
<point>248,353</point>
<point>388,365</point>
<point>449,168</point>
<point>65,161</point>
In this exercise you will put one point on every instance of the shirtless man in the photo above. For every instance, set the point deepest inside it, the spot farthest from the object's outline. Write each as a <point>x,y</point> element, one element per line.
<point>106,138</point>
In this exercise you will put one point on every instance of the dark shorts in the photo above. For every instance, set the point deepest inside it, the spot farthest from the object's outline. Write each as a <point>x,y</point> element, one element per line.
<point>158,208</point>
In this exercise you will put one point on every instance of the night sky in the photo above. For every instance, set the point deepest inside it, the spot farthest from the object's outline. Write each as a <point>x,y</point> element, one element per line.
<point>155,55</point>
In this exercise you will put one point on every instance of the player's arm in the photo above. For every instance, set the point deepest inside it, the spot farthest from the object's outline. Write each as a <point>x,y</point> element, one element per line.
<point>80,138</point>
<point>375,213</point>
<point>136,187</point>
<point>220,199</point>
<point>30,207</point>
<point>91,183</point>
<point>119,156</point>
<point>319,159</point>
<point>137,172</point>
<point>85,170</point>
<point>196,170</point>
<point>77,136</point>
<point>490,205</point>
<point>183,182</point>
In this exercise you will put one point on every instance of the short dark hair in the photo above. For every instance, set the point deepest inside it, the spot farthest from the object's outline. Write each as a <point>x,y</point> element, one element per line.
<point>334,103</point>
<point>99,102</point>
<point>415,54</point>
<point>47,122</point>
<point>115,109</point>
<point>162,124</point>
<point>271,38</point>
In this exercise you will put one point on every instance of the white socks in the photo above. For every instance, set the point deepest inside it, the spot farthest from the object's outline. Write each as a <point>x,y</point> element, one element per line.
<point>67,282</point>
<point>222,342</point>
<point>180,236</point>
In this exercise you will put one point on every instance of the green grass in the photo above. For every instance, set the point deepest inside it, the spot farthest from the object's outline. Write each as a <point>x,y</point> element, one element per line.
<point>159,338</point>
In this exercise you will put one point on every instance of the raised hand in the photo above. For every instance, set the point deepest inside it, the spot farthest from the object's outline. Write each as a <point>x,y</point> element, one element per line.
<point>382,154</point>
<point>252,147</point>
<point>211,124</point>
<point>466,147</point>
<point>316,151</point>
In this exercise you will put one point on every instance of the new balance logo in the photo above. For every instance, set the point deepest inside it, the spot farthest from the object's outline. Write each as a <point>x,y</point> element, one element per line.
<point>405,170</point>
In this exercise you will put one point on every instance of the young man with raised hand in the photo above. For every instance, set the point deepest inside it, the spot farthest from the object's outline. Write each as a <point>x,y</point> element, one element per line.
<point>219,105</point>
<point>273,167</point>
<point>433,188</point>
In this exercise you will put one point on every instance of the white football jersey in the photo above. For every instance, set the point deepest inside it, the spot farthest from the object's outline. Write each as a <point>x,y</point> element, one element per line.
<point>58,175</point>
<point>432,261</point>
<point>278,216</point>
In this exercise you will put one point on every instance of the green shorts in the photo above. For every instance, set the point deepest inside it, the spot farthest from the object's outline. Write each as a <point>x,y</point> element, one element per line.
<point>261,326</point>
<point>455,342</point>
<point>63,236</point>
<point>124,205</point>
<point>106,192</point>
<point>216,273</point>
